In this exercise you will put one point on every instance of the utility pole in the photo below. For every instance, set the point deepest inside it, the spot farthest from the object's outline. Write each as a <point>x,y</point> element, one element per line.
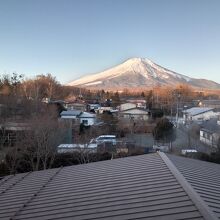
<point>177,109</point>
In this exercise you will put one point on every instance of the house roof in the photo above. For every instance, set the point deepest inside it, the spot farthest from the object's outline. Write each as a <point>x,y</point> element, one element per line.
<point>87,115</point>
<point>77,104</point>
<point>152,186</point>
<point>128,103</point>
<point>211,102</point>
<point>71,113</point>
<point>15,126</point>
<point>197,110</point>
<point>210,126</point>
<point>204,177</point>
<point>129,111</point>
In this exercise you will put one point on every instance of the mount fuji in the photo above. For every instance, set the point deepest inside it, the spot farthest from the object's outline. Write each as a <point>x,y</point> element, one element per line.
<point>139,73</point>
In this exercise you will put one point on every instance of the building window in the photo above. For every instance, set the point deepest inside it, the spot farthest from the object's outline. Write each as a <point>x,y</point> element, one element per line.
<point>85,122</point>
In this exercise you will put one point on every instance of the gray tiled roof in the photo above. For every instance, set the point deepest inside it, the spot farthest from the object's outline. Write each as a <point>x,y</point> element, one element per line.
<point>140,187</point>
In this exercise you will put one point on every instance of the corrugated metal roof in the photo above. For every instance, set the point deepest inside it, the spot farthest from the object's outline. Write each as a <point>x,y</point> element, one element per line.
<point>204,177</point>
<point>197,110</point>
<point>140,187</point>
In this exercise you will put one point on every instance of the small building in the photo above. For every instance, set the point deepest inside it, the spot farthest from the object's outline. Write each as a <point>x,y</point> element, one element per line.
<point>70,114</point>
<point>210,103</point>
<point>210,133</point>
<point>103,109</point>
<point>198,114</point>
<point>141,103</point>
<point>93,107</point>
<point>87,119</point>
<point>135,114</point>
<point>76,106</point>
<point>209,137</point>
<point>127,105</point>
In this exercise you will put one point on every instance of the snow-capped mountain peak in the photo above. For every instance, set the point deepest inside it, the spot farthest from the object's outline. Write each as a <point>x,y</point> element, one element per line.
<point>135,72</point>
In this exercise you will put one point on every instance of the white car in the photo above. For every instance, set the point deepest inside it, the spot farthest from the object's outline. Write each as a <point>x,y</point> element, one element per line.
<point>163,148</point>
<point>103,139</point>
<point>106,138</point>
<point>185,151</point>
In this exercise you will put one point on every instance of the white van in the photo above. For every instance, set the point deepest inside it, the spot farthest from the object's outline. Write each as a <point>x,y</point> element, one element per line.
<point>103,139</point>
<point>106,138</point>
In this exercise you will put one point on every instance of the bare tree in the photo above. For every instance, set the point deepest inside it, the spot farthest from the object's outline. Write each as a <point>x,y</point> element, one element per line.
<point>41,141</point>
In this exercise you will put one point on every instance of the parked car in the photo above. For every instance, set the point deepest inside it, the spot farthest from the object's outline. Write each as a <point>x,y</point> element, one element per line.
<point>106,138</point>
<point>163,148</point>
<point>102,139</point>
<point>187,151</point>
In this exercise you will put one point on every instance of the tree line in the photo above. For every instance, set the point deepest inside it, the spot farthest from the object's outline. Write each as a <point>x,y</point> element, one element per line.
<point>21,103</point>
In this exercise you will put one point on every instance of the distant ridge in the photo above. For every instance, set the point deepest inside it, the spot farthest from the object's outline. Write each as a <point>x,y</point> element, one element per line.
<point>139,73</point>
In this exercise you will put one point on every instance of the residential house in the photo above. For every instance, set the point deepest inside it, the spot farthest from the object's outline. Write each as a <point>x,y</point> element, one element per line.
<point>209,137</point>
<point>135,114</point>
<point>152,186</point>
<point>93,107</point>
<point>75,118</point>
<point>76,106</point>
<point>70,114</point>
<point>86,118</point>
<point>126,106</point>
<point>103,109</point>
<point>198,114</point>
<point>210,103</point>
<point>141,103</point>
<point>210,132</point>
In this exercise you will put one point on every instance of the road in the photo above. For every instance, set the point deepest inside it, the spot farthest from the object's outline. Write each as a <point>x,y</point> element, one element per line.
<point>183,141</point>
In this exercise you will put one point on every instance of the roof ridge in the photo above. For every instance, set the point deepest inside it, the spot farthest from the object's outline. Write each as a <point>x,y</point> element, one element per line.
<point>203,208</point>
<point>34,195</point>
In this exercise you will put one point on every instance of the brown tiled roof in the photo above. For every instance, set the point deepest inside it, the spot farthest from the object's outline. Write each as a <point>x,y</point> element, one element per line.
<point>140,187</point>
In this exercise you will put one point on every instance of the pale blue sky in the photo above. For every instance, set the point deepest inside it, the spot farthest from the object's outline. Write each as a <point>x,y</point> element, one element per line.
<point>71,38</point>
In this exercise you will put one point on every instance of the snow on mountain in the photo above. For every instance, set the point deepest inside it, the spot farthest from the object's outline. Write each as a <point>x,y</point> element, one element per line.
<point>138,72</point>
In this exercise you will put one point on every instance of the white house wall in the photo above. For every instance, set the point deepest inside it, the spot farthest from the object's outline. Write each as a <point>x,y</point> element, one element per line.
<point>91,121</point>
<point>209,139</point>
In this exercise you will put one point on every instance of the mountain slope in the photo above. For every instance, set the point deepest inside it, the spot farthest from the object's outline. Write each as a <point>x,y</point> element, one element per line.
<point>139,73</point>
